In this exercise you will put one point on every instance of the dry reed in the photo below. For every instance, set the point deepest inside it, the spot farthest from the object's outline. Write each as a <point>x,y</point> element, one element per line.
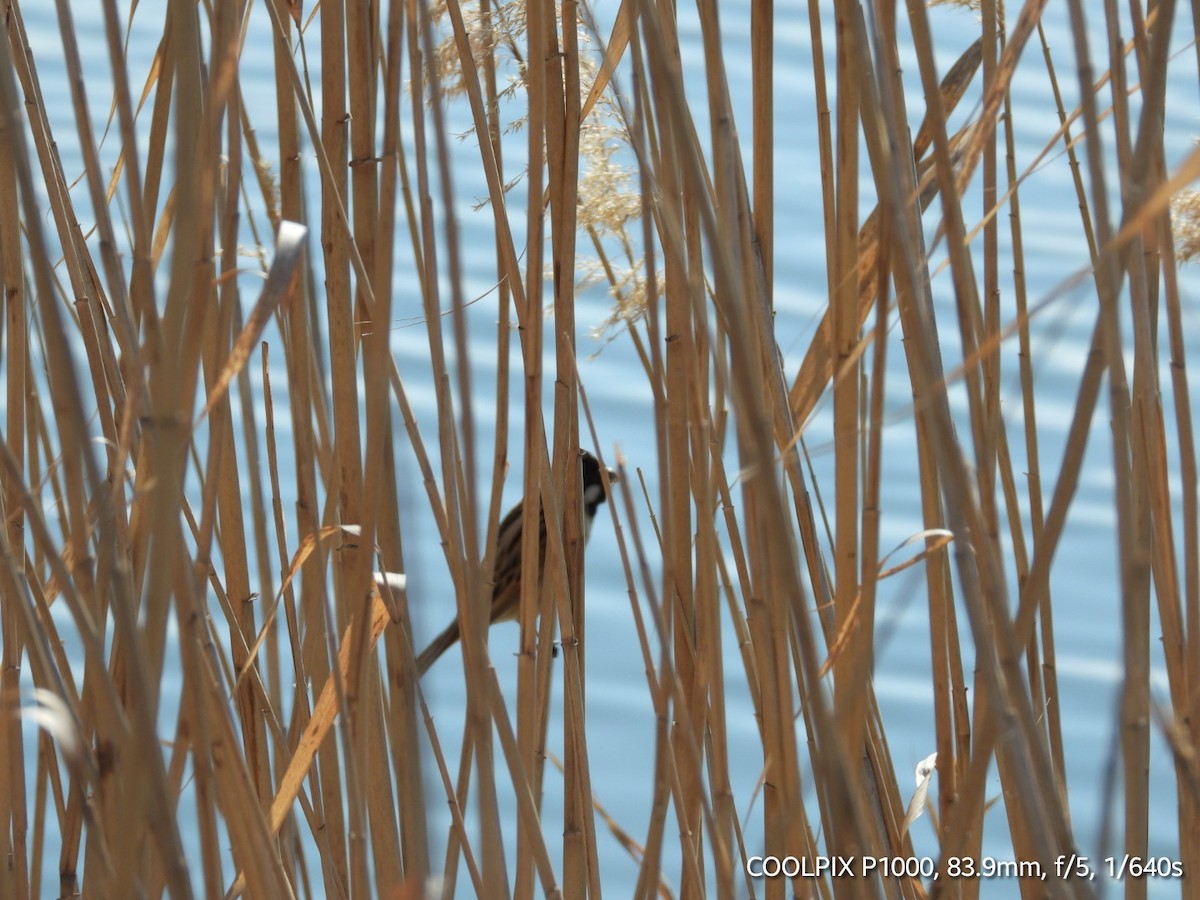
<point>226,693</point>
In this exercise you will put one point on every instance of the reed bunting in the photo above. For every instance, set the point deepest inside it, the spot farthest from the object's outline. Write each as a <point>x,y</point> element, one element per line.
<point>506,591</point>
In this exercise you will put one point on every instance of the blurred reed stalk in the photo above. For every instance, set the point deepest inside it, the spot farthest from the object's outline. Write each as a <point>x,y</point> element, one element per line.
<point>224,695</point>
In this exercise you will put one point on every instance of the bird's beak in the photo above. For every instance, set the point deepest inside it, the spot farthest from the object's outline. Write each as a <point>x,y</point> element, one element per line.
<point>613,477</point>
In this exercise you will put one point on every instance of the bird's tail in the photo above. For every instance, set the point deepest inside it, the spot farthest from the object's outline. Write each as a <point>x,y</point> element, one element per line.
<point>437,647</point>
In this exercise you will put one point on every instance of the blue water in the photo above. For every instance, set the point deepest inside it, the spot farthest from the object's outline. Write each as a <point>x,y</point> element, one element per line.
<point>619,713</point>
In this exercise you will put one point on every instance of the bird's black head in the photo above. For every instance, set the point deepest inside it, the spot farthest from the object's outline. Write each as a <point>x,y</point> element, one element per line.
<point>593,483</point>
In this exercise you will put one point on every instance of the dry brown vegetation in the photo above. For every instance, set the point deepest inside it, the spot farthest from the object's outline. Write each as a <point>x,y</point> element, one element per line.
<point>188,631</point>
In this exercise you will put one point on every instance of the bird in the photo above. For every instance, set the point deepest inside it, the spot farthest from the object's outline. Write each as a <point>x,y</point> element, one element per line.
<point>506,589</point>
